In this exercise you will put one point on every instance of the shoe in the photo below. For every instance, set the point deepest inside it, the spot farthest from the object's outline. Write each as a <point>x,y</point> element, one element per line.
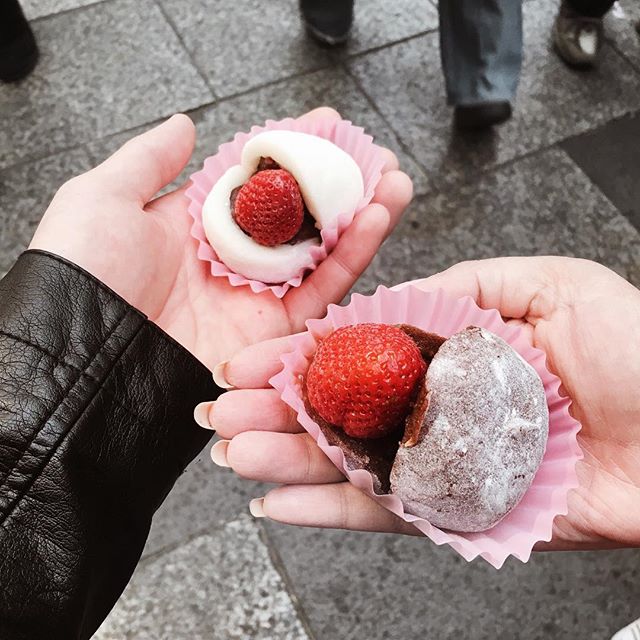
<point>630,632</point>
<point>481,115</point>
<point>18,50</point>
<point>327,21</point>
<point>577,38</point>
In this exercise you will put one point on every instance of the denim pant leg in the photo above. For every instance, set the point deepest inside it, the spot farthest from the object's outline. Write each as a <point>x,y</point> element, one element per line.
<point>481,49</point>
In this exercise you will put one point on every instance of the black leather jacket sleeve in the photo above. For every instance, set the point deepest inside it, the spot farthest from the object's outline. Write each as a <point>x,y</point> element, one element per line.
<point>96,424</point>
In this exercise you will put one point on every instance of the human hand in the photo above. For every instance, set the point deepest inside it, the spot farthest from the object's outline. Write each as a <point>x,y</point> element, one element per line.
<point>586,319</point>
<point>108,222</point>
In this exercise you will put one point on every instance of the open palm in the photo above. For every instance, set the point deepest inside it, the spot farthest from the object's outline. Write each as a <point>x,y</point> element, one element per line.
<point>107,222</point>
<point>586,319</point>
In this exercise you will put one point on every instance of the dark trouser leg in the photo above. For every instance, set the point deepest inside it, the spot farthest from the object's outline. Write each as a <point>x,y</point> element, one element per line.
<point>591,8</point>
<point>18,50</point>
<point>328,20</point>
<point>481,49</point>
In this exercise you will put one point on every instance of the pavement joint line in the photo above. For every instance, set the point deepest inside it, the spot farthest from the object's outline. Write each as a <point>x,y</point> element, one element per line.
<point>376,109</point>
<point>335,61</point>
<point>603,194</point>
<point>614,45</point>
<point>47,156</point>
<point>69,10</point>
<point>556,143</point>
<point>173,546</point>
<point>279,566</point>
<point>440,189</point>
<point>387,45</point>
<point>193,61</point>
<point>272,551</point>
<point>294,76</point>
<point>85,145</point>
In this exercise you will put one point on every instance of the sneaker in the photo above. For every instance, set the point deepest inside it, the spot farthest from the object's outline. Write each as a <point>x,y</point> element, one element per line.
<point>327,21</point>
<point>577,38</point>
<point>630,632</point>
<point>481,115</point>
<point>18,49</point>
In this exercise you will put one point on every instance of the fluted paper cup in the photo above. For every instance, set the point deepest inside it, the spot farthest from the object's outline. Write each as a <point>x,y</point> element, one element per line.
<point>342,133</point>
<point>532,519</point>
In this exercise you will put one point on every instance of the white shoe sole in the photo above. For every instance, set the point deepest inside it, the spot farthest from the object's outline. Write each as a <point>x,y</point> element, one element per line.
<point>630,632</point>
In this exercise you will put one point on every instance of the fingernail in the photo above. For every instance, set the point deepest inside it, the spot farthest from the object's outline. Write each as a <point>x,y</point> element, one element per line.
<point>219,453</point>
<point>256,508</point>
<point>201,415</point>
<point>219,377</point>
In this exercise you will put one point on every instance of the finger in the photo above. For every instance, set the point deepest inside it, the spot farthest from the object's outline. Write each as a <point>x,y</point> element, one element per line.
<point>335,506</point>
<point>394,192</point>
<point>283,458</point>
<point>390,159</point>
<point>513,286</point>
<point>320,115</point>
<point>336,274</point>
<point>150,161</point>
<point>247,410</point>
<point>166,203</point>
<point>252,367</point>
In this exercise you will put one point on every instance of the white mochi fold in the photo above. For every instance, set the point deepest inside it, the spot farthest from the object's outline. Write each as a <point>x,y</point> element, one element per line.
<point>330,182</point>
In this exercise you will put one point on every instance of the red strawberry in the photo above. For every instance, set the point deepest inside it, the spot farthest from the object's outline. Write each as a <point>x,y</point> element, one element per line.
<point>269,207</point>
<point>363,378</point>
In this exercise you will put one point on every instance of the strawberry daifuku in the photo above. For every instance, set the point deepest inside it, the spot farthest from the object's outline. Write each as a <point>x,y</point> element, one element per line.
<point>363,378</point>
<point>269,207</point>
<point>264,219</point>
<point>474,414</point>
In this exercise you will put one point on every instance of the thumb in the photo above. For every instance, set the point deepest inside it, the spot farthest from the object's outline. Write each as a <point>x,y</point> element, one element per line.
<point>510,285</point>
<point>147,163</point>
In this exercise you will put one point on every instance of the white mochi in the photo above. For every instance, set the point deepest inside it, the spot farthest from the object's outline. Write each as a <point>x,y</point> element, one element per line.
<point>330,182</point>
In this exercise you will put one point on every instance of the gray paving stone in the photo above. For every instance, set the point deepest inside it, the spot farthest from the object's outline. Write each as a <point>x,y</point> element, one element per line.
<point>233,41</point>
<point>240,44</point>
<point>106,68</point>
<point>381,587</point>
<point>39,8</point>
<point>539,205</point>
<point>221,585</point>
<point>218,123</point>
<point>379,22</point>
<point>613,164</point>
<point>620,29</point>
<point>553,103</point>
<point>204,498</point>
<point>25,192</point>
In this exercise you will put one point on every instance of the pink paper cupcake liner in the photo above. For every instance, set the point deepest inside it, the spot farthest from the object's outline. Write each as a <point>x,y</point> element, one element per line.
<point>345,135</point>
<point>532,519</point>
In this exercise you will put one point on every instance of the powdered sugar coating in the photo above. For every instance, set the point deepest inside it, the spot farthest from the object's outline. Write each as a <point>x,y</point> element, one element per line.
<point>482,439</point>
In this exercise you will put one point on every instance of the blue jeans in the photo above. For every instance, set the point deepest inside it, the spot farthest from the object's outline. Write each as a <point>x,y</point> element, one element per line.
<point>481,49</point>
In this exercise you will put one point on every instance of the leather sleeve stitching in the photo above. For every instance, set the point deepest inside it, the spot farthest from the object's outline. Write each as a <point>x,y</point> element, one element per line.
<point>57,406</point>
<point>16,501</point>
<point>64,363</point>
<point>58,359</point>
<point>85,274</point>
<point>169,340</point>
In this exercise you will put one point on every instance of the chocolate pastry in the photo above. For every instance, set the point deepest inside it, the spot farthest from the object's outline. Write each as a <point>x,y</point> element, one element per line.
<point>376,456</point>
<point>481,439</point>
<point>474,437</point>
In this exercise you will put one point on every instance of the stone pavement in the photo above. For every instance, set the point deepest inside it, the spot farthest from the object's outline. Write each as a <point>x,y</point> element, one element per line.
<point>562,177</point>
